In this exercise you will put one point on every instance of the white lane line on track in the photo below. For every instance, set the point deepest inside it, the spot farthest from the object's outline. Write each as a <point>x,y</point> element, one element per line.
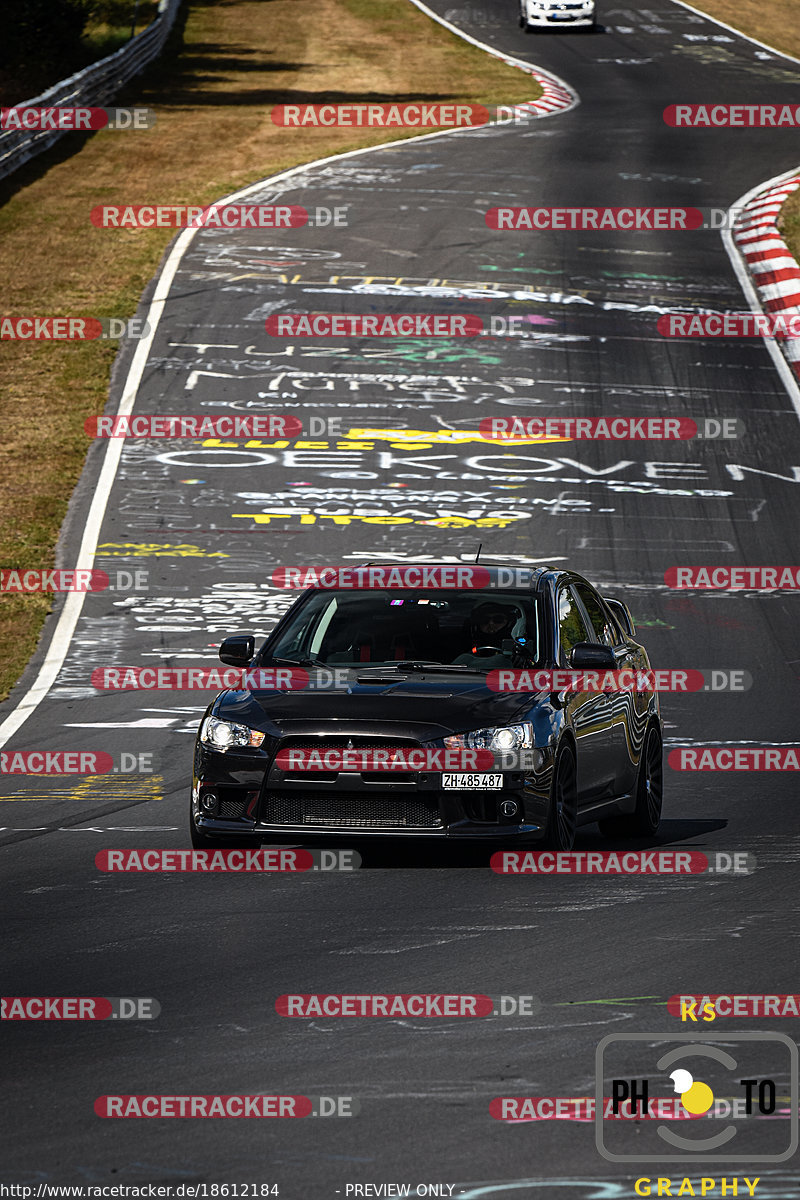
<point>70,613</point>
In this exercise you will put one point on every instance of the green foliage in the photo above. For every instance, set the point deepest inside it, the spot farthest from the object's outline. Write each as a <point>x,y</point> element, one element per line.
<point>41,34</point>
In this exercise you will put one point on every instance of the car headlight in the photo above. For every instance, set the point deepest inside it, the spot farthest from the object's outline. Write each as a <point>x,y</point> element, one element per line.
<point>505,737</point>
<point>222,735</point>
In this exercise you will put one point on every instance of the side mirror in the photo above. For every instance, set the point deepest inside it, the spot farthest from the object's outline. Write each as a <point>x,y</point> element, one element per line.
<point>623,614</point>
<point>237,651</point>
<point>587,655</point>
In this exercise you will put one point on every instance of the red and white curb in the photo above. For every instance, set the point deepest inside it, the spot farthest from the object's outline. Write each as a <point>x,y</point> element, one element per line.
<point>557,96</point>
<point>774,272</point>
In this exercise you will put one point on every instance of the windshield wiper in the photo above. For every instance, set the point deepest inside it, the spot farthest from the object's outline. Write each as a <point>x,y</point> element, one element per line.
<point>420,667</point>
<point>293,662</point>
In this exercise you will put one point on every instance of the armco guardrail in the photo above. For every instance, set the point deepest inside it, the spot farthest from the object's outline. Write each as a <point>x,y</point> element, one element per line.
<point>92,87</point>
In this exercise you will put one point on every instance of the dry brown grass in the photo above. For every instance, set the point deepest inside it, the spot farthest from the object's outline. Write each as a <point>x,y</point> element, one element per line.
<point>213,134</point>
<point>775,22</point>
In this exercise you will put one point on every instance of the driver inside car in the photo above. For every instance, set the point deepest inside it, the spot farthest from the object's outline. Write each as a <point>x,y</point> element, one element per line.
<point>490,625</point>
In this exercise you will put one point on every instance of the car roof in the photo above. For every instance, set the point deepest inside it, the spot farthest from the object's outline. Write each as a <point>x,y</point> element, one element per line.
<point>537,573</point>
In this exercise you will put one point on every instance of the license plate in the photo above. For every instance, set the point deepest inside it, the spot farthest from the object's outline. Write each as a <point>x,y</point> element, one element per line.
<point>483,783</point>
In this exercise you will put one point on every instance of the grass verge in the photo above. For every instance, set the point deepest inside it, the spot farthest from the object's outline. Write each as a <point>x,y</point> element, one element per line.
<point>212,95</point>
<point>775,23</point>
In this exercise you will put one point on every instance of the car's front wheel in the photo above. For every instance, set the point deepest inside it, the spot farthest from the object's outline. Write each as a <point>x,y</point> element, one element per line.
<point>646,816</point>
<point>563,818</point>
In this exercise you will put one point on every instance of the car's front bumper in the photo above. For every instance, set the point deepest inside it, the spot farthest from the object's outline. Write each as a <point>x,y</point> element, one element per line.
<point>561,19</point>
<point>259,802</point>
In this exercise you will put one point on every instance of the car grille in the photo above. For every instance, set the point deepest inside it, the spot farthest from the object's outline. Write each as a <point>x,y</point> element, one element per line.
<point>352,810</point>
<point>232,808</point>
<point>357,742</point>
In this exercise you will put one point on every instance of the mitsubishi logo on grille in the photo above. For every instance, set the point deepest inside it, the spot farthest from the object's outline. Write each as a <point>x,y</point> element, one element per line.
<point>350,744</point>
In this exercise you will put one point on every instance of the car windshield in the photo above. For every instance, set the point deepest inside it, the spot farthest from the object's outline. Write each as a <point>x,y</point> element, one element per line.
<point>480,628</point>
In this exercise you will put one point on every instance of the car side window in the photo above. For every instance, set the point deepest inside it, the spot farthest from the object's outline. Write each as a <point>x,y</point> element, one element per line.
<point>605,631</point>
<point>571,625</point>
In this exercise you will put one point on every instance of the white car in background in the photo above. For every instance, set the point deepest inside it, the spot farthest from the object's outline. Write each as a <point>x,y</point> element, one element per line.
<point>556,14</point>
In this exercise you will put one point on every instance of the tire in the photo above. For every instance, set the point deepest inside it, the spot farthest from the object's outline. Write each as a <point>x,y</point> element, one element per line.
<point>563,818</point>
<point>646,816</point>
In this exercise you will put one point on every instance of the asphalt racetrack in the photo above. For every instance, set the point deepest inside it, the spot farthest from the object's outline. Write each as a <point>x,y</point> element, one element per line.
<point>210,523</point>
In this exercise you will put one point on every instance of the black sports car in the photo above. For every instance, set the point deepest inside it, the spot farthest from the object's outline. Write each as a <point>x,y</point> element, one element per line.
<point>409,668</point>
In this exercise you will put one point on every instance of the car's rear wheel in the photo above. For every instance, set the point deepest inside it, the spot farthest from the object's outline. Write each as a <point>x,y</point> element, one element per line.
<point>646,816</point>
<point>563,818</point>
